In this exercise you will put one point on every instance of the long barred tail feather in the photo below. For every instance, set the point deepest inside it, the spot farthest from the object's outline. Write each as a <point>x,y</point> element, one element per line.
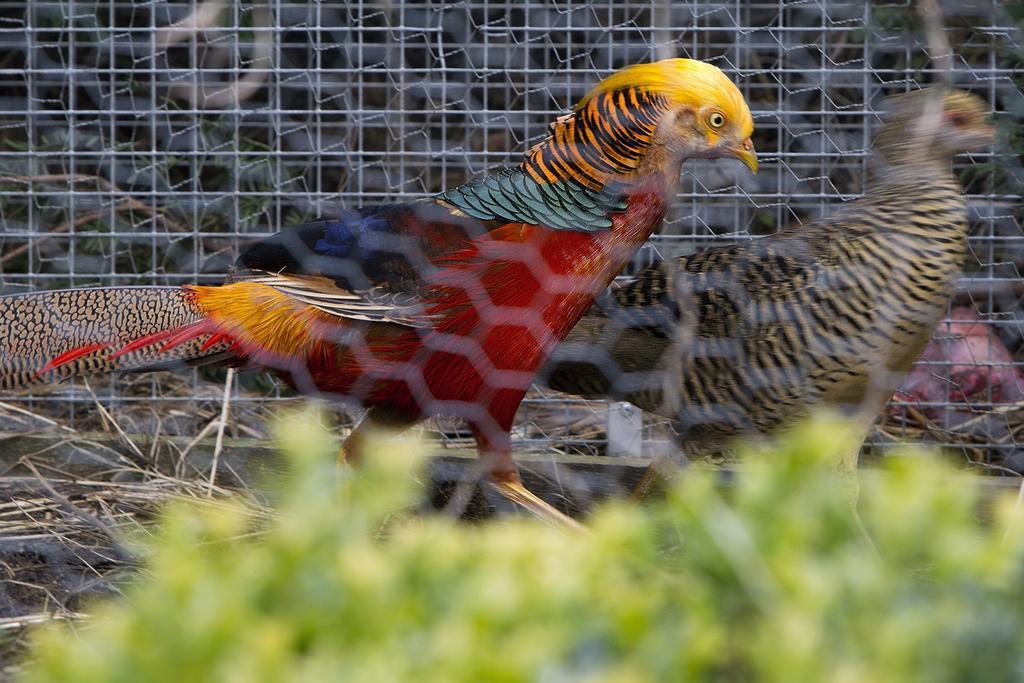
<point>51,336</point>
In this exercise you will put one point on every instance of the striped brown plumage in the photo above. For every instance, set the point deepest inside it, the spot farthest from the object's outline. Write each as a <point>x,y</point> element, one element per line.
<point>745,339</point>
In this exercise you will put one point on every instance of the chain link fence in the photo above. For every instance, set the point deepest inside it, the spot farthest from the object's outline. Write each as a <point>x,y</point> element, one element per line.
<point>144,143</point>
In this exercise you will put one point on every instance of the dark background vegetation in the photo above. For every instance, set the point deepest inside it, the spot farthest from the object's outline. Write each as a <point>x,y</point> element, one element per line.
<point>128,159</point>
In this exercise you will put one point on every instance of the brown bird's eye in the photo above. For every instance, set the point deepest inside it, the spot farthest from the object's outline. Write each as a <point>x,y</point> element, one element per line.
<point>958,119</point>
<point>716,120</point>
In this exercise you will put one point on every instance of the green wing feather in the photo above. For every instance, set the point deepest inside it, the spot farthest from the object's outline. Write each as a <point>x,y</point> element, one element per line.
<point>512,196</point>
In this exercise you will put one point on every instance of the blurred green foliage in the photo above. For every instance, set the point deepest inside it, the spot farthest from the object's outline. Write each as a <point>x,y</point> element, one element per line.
<point>769,579</point>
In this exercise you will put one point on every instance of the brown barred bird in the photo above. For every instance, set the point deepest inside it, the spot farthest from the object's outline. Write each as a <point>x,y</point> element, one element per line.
<point>744,339</point>
<point>446,306</point>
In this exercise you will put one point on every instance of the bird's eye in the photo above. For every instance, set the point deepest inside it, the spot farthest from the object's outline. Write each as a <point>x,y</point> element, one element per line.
<point>958,119</point>
<point>716,120</point>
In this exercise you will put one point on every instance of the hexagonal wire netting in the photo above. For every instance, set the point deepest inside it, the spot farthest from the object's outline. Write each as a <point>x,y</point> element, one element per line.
<point>134,153</point>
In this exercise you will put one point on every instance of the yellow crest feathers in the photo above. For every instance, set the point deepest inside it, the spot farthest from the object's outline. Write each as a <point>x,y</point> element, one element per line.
<point>682,82</point>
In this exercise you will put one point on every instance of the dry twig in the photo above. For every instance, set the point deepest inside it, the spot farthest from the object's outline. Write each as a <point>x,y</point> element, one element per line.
<point>125,202</point>
<point>938,44</point>
<point>221,425</point>
<point>203,18</point>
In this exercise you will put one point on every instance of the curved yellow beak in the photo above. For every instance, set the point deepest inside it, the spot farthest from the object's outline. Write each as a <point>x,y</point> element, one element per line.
<point>745,153</point>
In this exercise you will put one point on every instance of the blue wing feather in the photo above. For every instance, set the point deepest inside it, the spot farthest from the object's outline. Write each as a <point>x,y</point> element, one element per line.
<point>391,247</point>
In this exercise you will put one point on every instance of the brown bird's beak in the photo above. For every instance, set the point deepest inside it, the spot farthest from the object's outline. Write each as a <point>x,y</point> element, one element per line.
<point>745,153</point>
<point>976,138</point>
<point>988,133</point>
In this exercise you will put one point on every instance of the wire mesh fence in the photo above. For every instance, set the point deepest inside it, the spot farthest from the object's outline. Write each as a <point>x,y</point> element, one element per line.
<point>148,143</point>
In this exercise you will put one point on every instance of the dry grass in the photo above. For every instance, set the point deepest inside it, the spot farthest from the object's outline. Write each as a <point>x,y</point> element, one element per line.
<point>74,488</point>
<point>72,492</point>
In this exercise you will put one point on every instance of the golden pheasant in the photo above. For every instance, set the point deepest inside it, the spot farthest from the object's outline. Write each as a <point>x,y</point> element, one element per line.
<point>744,339</point>
<point>445,306</point>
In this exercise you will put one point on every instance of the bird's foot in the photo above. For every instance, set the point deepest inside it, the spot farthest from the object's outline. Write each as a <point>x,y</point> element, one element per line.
<point>651,477</point>
<point>513,490</point>
<point>500,469</point>
<point>660,471</point>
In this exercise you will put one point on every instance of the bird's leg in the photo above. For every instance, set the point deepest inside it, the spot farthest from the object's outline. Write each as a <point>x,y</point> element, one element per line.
<point>648,481</point>
<point>352,448</point>
<point>850,483</point>
<point>847,467</point>
<point>496,458</point>
<point>661,469</point>
<point>351,451</point>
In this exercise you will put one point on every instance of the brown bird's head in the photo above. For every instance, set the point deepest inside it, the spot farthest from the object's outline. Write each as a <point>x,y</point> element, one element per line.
<point>935,124</point>
<point>646,118</point>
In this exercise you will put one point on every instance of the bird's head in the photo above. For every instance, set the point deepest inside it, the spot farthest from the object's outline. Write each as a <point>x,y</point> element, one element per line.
<point>703,113</point>
<point>645,119</point>
<point>933,123</point>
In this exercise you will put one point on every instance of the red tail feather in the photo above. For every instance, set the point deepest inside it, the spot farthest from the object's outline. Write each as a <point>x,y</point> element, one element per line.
<point>148,340</point>
<point>169,338</point>
<point>184,334</point>
<point>215,338</point>
<point>70,357</point>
